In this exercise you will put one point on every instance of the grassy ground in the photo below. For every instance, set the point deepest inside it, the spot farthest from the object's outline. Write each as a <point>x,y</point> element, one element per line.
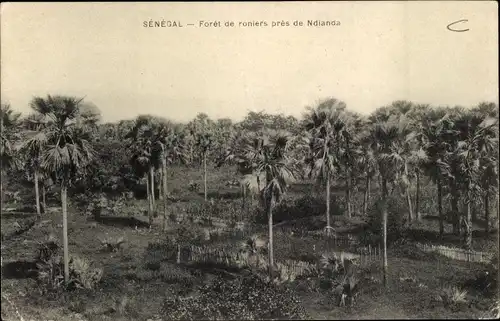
<point>137,279</point>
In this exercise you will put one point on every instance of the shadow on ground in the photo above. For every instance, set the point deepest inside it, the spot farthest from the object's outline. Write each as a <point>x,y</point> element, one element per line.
<point>12,215</point>
<point>118,221</point>
<point>424,236</point>
<point>225,195</point>
<point>20,270</point>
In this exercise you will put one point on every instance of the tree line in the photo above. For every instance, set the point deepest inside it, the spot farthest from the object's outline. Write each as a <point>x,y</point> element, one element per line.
<point>61,141</point>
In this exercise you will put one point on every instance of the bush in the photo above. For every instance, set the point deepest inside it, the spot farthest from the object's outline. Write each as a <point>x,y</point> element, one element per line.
<point>396,219</point>
<point>244,298</point>
<point>50,266</point>
<point>47,249</point>
<point>222,209</point>
<point>306,206</point>
<point>82,274</point>
<point>486,281</point>
<point>451,296</point>
<point>112,244</point>
<point>165,250</point>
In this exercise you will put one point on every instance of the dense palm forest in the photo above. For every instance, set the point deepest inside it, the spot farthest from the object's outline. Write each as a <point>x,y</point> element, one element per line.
<point>392,170</point>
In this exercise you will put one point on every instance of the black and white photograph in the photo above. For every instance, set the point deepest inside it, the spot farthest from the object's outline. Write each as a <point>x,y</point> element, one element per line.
<point>261,160</point>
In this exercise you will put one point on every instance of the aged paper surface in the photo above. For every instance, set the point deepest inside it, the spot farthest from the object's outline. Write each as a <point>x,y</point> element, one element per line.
<point>169,150</point>
<point>375,53</point>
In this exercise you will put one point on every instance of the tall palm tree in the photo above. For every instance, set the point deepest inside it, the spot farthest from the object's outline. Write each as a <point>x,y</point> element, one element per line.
<point>417,114</point>
<point>67,150</point>
<point>33,149</point>
<point>168,148</point>
<point>388,139</point>
<point>459,124</point>
<point>142,139</point>
<point>436,126</point>
<point>476,144</point>
<point>326,125</point>
<point>279,169</point>
<point>489,158</point>
<point>204,143</point>
<point>245,150</point>
<point>9,134</point>
<point>349,151</point>
<point>365,160</point>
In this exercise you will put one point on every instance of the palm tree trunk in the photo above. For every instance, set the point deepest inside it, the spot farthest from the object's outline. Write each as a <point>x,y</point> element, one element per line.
<point>328,227</point>
<point>152,186</point>
<point>164,176</point>
<point>365,195</point>
<point>468,227</point>
<point>348,195</point>
<point>37,195</point>
<point>160,186</point>
<point>150,207</point>
<point>1,165</point>
<point>152,174</point>
<point>454,209</point>
<point>1,186</point>
<point>474,210</point>
<point>384,228</point>
<point>487,210</point>
<point>408,194</point>
<point>205,174</point>
<point>65,231</point>
<point>44,202</point>
<point>270,226</point>
<point>440,207</point>
<point>417,197</point>
<point>369,184</point>
<point>243,194</point>
<point>498,210</point>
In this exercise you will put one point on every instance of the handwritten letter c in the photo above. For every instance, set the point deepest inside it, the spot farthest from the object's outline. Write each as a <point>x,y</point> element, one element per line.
<point>457,30</point>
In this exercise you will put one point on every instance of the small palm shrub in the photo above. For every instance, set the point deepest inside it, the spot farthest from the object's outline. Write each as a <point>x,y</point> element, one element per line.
<point>47,249</point>
<point>345,292</point>
<point>82,274</point>
<point>50,266</point>
<point>193,187</point>
<point>452,295</point>
<point>253,244</point>
<point>248,298</point>
<point>112,244</point>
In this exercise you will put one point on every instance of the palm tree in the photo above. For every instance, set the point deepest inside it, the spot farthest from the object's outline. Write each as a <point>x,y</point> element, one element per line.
<point>168,148</point>
<point>204,142</point>
<point>9,134</point>
<point>33,149</point>
<point>365,160</point>
<point>488,158</point>
<point>245,150</point>
<point>142,139</point>
<point>349,151</point>
<point>279,169</point>
<point>436,127</point>
<point>417,114</point>
<point>388,139</point>
<point>326,125</point>
<point>477,142</point>
<point>67,150</point>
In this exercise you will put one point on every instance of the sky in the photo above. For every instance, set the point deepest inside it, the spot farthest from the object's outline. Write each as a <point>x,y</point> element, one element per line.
<point>380,52</point>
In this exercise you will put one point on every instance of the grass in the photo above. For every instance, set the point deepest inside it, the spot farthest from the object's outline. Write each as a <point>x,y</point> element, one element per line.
<point>140,276</point>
